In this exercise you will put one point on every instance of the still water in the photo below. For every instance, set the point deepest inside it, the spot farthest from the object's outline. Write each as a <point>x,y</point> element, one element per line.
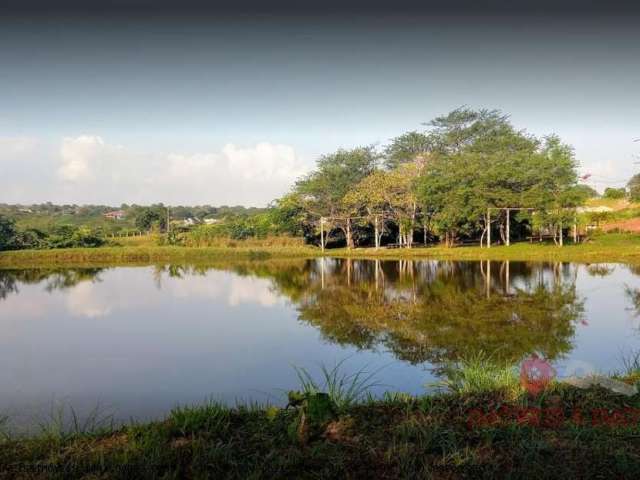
<point>138,340</point>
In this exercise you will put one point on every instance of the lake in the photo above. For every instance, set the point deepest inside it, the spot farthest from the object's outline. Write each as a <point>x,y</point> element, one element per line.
<point>136,341</point>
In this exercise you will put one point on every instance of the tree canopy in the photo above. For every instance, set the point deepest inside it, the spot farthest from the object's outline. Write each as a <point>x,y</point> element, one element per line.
<point>442,180</point>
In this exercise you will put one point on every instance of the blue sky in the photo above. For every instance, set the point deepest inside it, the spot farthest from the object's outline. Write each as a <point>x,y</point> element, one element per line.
<point>231,109</point>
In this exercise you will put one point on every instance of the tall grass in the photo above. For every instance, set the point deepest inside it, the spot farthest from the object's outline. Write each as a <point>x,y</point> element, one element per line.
<point>64,421</point>
<point>630,371</point>
<point>4,430</point>
<point>211,417</point>
<point>344,389</point>
<point>480,373</point>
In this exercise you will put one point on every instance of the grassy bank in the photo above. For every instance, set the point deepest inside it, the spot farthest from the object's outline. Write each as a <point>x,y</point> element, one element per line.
<point>614,247</point>
<point>566,432</point>
<point>143,255</point>
<point>602,248</point>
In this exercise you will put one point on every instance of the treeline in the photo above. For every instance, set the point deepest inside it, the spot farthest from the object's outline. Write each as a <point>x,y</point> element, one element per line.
<point>42,226</point>
<point>62,236</point>
<point>177,212</point>
<point>437,185</point>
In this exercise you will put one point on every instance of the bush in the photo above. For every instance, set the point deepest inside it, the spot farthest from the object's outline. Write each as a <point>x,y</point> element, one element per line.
<point>614,193</point>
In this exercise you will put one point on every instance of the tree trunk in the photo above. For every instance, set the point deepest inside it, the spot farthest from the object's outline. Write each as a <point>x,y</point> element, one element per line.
<point>502,236</point>
<point>560,233</point>
<point>349,235</point>
<point>376,235</point>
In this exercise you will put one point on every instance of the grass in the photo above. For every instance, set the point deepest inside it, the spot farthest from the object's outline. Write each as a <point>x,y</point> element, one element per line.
<point>344,390</point>
<point>112,256</point>
<point>479,374</point>
<point>613,247</point>
<point>474,430</point>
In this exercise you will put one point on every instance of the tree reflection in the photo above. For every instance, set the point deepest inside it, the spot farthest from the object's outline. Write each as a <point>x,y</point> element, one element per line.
<point>53,279</point>
<point>422,311</point>
<point>434,312</point>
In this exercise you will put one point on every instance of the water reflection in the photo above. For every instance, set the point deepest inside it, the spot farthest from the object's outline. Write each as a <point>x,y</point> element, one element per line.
<point>142,339</point>
<point>421,311</point>
<point>438,311</point>
<point>53,279</point>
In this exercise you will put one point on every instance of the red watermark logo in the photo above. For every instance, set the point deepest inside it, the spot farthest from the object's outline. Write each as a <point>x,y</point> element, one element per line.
<point>535,374</point>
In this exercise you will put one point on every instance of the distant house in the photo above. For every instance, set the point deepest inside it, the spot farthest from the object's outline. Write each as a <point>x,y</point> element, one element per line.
<point>211,221</point>
<point>189,222</point>
<point>115,215</point>
<point>599,209</point>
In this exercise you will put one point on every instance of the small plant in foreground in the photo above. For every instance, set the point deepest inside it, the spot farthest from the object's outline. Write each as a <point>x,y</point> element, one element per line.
<point>480,374</point>
<point>343,389</point>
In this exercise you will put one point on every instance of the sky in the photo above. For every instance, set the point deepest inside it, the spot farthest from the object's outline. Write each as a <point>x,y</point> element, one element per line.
<point>219,103</point>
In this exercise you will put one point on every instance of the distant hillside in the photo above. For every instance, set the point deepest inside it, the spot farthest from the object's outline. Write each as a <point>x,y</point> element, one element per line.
<point>45,216</point>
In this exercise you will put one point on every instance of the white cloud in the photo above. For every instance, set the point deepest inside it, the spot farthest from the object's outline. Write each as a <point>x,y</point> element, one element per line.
<point>251,176</point>
<point>264,161</point>
<point>95,171</point>
<point>79,156</point>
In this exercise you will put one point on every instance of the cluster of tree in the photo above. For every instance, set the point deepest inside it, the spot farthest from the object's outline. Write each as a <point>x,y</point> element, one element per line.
<point>437,184</point>
<point>60,236</point>
<point>240,227</point>
<point>632,190</point>
<point>53,210</point>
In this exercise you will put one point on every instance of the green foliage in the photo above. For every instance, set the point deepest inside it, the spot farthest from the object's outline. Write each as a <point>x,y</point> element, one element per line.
<point>148,218</point>
<point>586,191</point>
<point>614,193</point>
<point>481,374</point>
<point>211,417</point>
<point>444,178</point>
<point>241,227</point>
<point>68,236</point>
<point>288,215</point>
<point>7,233</point>
<point>492,165</point>
<point>406,148</point>
<point>334,177</point>
<point>60,236</point>
<point>343,389</point>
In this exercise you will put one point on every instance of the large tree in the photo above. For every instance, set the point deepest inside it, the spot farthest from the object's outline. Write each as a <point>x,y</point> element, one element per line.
<point>483,162</point>
<point>388,196</point>
<point>336,174</point>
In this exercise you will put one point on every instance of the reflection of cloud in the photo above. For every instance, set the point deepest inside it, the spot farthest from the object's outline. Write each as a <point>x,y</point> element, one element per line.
<point>251,290</point>
<point>83,300</point>
<point>219,285</point>
<point>195,286</point>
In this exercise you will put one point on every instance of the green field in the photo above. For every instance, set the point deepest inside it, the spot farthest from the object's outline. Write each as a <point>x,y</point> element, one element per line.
<point>602,248</point>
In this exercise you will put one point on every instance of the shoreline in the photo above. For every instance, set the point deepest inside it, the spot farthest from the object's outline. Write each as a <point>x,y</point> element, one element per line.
<point>483,433</point>
<point>609,248</point>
